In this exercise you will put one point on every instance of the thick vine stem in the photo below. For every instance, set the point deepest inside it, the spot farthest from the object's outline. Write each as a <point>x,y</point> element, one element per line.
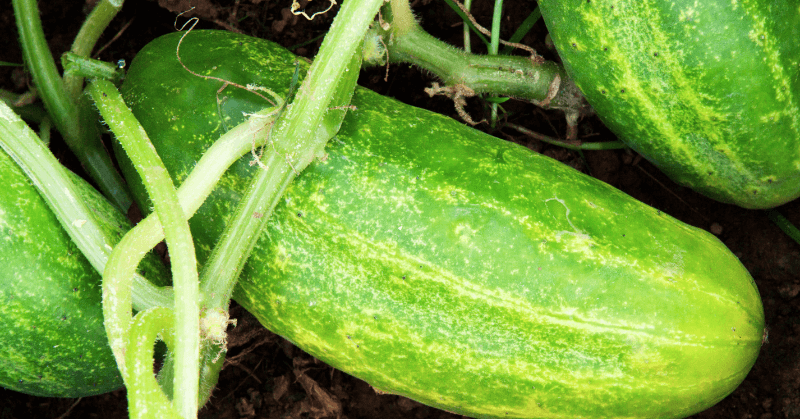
<point>532,78</point>
<point>221,270</point>
<point>64,199</point>
<point>299,135</point>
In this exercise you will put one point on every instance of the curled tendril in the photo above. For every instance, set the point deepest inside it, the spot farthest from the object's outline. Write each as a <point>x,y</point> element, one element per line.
<point>296,7</point>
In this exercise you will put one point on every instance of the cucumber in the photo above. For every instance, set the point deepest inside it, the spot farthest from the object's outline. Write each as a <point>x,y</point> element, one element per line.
<point>708,91</point>
<point>52,339</point>
<point>437,262</point>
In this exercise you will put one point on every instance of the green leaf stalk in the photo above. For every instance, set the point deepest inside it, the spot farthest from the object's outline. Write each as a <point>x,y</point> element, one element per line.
<point>73,121</point>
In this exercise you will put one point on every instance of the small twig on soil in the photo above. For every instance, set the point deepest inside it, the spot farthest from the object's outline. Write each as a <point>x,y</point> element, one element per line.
<point>118,34</point>
<point>231,393</point>
<point>227,26</point>
<point>248,370</point>
<point>673,193</point>
<point>70,408</point>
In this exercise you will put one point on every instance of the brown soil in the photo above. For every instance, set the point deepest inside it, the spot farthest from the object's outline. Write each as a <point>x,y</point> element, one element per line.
<point>266,376</point>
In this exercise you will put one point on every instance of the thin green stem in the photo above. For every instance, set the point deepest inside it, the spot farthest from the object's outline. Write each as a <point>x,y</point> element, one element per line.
<point>467,36</point>
<point>149,232</point>
<point>42,66</point>
<point>497,18</point>
<point>212,358</point>
<point>784,224</point>
<point>162,193</point>
<point>494,46</point>
<point>87,37</point>
<point>240,236</point>
<point>301,120</point>
<point>201,181</point>
<point>81,137</point>
<point>467,22</point>
<point>605,145</point>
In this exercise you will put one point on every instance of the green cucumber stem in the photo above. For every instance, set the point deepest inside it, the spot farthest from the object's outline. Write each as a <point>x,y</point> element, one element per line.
<point>497,15</point>
<point>83,141</point>
<point>301,120</point>
<point>299,135</point>
<point>212,359</point>
<point>467,37</point>
<point>494,47</point>
<point>144,236</point>
<point>148,400</point>
<point>201,181</point>
<point>231,252</point>
<point>784,224</point>
<point>87,37</point>
<point>605,145</point>
<point>162,193</point>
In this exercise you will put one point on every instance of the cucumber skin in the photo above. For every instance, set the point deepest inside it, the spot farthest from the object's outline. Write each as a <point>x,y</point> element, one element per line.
<point>52,339</point>
<point>708,91</point>
<point>446,265</point>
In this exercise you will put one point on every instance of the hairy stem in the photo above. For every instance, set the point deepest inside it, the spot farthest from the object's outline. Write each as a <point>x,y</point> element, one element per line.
<point>148,400</point>
<point>162,193</point>
<point>464,74</point>
<point>513,76</point>
<point>87,37</point>
<point>79,131</point>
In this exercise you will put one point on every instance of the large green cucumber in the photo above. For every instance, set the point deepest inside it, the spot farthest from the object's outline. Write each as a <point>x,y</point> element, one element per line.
<point>709,91</point>
<point>52,339</point>
<point>446,265</point>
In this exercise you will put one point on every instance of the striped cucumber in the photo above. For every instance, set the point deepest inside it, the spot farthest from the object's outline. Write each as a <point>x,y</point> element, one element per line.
<point>52,339</point>
<point>708,91</point>
<point>446,265</point>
